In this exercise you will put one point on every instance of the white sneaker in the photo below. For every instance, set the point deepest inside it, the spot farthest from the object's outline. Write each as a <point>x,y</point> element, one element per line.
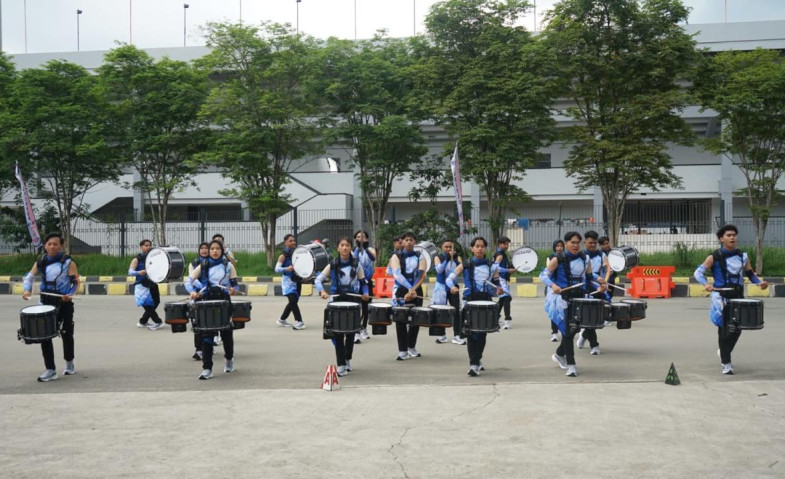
<point>229,366</point>
<point>581,341</point>
<point>348,365</point>
<point>473,371</point>
<point>554,338</point>
<point>155,326</point>
<point>507,324</point>
<point>69,368</point>
<point>48,375</point>
<point>606,323</point>
<point>283,323</point>
<point>595,351</point>
<point>571,371</point>
<point>414,353</point>
<point>458,340</point>
<point>299,325</point>
<point>197,355</point>
<point>442,339</point>
<point>341,371</point>
<point>402,356</point>
<point>364,334</point>
<point>217,340</point>
<point>726,369</point>
<point>206,374</point>
<point>480,367</point>
<point>357,339</point>
<point>140,325</point>
<point>560,360</point>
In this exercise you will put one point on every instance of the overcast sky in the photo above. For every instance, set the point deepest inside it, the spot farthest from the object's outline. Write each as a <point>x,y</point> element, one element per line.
<point>52,24</point>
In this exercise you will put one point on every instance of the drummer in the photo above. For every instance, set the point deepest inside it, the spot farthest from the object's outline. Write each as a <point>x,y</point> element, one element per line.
<point>347,281</point>
<point>366,255</point>
<point>445,264</point>
<point>145,291</point>
<point>725,266</point>
<point>481,282</point>
<point>505,268</point>
<point>60,278</point>
<point>408,269</point>
<point>570,269</point>
<point>605,246</point>
<point>204,253</point>
<point>291,285</point>
<point>214,279</point>
<point>228,253</point>
<point>558,248</point>
<point>600,272</point>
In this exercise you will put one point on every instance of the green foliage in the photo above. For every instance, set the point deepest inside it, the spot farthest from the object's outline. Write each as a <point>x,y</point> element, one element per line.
<point>7,133</point>
<point>430,225</point>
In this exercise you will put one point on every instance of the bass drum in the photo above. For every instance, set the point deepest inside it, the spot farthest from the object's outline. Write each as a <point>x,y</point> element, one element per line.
<point>429,251</point>
<point>623,257</point>
<point>164,264</point>
<point>309,260</point>
<point>524,259</point>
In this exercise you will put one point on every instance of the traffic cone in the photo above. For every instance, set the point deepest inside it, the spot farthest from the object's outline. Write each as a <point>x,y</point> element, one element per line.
<point>330,382</point>
<point>673,376</point>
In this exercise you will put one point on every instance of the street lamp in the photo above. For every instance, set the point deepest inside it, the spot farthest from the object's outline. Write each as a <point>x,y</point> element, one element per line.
<point>130,22</point>
<point>298,16</point>
<point>185,9</point>
<point>355,20</point>
<point>78,13</point>
<point>414,17</point>
<point>241,11</point>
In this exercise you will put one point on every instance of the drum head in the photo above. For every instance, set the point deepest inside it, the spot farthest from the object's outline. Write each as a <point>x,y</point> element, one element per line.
<point>420,308</point>
<point>481,303</point>
<point>41,308</point>
<point>616,260</point>
<point>380,305</point>
<point>425,253</point>
<point>524,259</point>
<point>441,306</point>
<point>342,304</point>
<point>745,301</point>
<point>157,265</point>
<point>303,261</point>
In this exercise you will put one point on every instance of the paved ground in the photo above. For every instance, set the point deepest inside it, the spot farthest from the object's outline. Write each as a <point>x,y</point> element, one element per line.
<point>135,407</point>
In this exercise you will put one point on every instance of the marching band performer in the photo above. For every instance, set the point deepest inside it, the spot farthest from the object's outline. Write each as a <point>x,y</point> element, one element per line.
<point>605,246</point>
<point>408,268</point>
<point>726,266</point>
<point>145,291</point>
<point>503,261</point>
<point>290,284</point>
<point>347,281</point>
<point>558,248</point>
<point>60,279</point>
<point>217,277</point>
<point>366,256</point>
<point>204,253</point>
<point>481,282</point>
<point>445,264</point>
<point>600,272</point>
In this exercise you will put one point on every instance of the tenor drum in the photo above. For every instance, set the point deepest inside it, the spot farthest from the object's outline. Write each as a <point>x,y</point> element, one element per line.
<point>309,260</point>
<point>623,257</point>
<point>400,314</point>
<point>211,315</point>
<point>443,315</point>
<point>481,317</point>
<point>588,312</point>
<point>342,317</point>
<point>241,311</point>
<point>38,323</point>
<point>744,314</point>
<point>620,312</point>
<point>637,308</point>
<point>524,259</point>
<point>379,314</point>
<point>164,264</point>
<point>176,313</point>
<point>422,317</point>
<point>427,250</point>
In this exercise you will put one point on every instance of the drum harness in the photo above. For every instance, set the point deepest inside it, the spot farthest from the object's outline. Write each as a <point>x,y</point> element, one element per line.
<point>213,292</point>
<point>143,280</point>
<point>738,288</point>
<point>402,255</point>
<point>571,280</point>
<point>336,272</point>
<point>503,263</point>
<point>51,286</point>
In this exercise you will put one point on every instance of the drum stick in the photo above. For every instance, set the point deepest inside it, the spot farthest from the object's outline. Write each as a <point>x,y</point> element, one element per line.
<point>715,289</point>
<point>57,295</point>
<point>612,286</point>
<point>572,287</point>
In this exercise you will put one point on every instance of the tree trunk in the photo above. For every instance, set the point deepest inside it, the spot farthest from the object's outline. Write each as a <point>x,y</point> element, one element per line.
<point>269,234</point>
<point>760,233</point>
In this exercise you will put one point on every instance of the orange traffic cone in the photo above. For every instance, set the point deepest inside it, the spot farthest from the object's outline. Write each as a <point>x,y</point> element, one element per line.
<point>330,382</point>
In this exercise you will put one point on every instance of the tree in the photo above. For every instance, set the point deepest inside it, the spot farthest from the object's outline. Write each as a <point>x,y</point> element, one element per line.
<point>62,120</point>
<point>621,62</point>
<point>745,89</point>
<point>263,114</point>
<point>492,91</point>
<point>367,90</point>
<point>156,126</point>
<point>8,135</point>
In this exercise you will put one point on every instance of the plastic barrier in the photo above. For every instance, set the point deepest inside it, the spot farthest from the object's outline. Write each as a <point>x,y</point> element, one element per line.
<point>383,284</point>
<point>651,281</point>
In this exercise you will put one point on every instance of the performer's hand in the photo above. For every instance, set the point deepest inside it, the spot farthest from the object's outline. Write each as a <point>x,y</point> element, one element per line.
<point>366,298</point>
<point>194,295</point>
<point>601,280</point>
<point>709,287</point>
<point>603,288</point>
<point>454,290</point>
<point>410,295</point>
<point>324,295</point>
<point>290,268</point>
<point>556,288</point>
<point>763,285</point>
<point>143,272</point>
<point>232,292</point>
<point>26,295</point>
<point>499,291</point>
<point>66,298</point>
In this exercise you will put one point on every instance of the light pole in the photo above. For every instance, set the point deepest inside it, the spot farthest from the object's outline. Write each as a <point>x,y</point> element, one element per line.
<point>414,17</point>
<point>25,20</point>
<point>298,16</point>
<point>241,11</point>
<point>185,9</point>
<point>130,22</point>
<point>355,20</point>
<point>78,14</point>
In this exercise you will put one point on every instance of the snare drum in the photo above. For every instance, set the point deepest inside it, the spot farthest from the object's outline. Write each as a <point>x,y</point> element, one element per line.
<point>744,314</point>
<point>481,317</point>
<point>588,312</point>
<point>379,314</point>
<point>524,259</point>
<point>623,257</point>
<point>38,323</point>
<point>637,308</point>
<point>427,250</point>
<point>400,314</point>
<point>309,260</point>
<point>211,315</point>
<point>422,317</point>
<point>342,317</point>
<point>164,264</point>
<point>176,313</point>
<point>443,315</point>
<point>241,311</point>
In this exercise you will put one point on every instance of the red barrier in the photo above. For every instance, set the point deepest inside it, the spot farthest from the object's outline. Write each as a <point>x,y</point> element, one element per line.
<point>383,284</point>
<point>651,281</point>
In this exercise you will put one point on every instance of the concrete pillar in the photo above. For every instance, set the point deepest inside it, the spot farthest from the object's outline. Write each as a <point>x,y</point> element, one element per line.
<point>474,192</point>
<point>726,187</point>
<point>138,198</point>
<point>597,205</point>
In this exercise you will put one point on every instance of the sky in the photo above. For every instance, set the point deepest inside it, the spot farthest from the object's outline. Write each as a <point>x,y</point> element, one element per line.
<point>51,25</point>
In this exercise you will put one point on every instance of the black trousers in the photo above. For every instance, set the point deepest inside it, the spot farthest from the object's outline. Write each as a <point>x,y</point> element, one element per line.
<point>727,341</point>
<point>150,313</point>
<point>344,347</point>
<point>566,348</point>
<point>554,328</point>
<point>475,345</point>
<point>65,319</point>
<point>504,303</point>
<point>590,335</point>
<point>364,306</point>
<point>293,307</point>
<point>227,337</point>
<point>405,332</point>
<point>454,300</point>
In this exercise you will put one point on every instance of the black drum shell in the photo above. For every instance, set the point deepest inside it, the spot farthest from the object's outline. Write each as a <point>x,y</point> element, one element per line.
<point>443,317</point>
<point>211,315</point>
<point>637,308</point>
<point>379,315</point>
<point>401,314</point>
<point>743,314</point>
<point>422,317</point>
<point>241,312</point>
<point>340,319</point>
<point>38,327</point>
<point>176,313</point>
<point>481,318</point>
<point>589,313</point>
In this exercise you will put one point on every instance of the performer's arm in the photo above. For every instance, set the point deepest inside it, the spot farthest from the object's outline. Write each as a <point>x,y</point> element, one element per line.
<point>754,279</point>
<point>319,281</point>
<point>29,280</point>
<point>700,273</point>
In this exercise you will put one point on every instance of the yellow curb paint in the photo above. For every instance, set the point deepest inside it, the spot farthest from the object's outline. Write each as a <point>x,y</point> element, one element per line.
<point>258,289</point>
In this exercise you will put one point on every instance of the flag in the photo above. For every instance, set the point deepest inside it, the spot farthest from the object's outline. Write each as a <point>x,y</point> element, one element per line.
<point>455,166</point>
<point>29,214</point>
